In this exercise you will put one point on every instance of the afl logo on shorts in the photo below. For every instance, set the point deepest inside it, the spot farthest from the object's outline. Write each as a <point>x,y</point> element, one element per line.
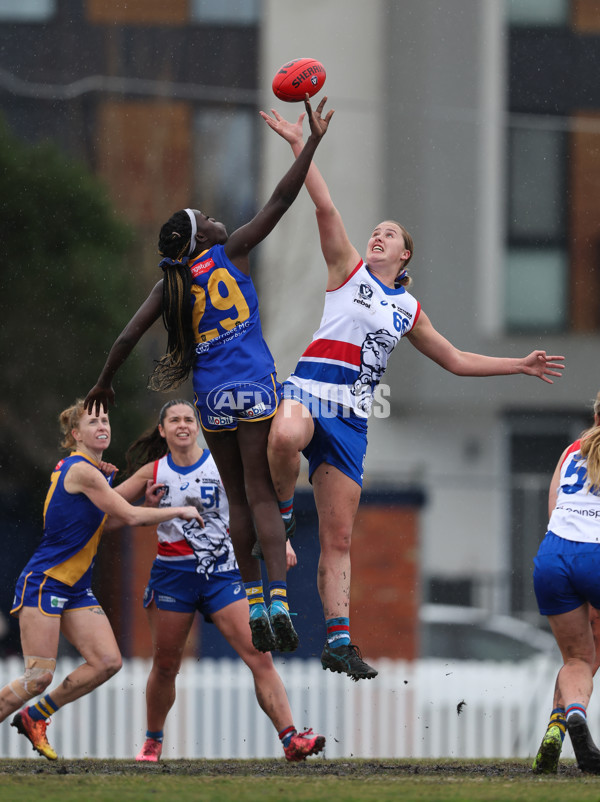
<point>242,400</point>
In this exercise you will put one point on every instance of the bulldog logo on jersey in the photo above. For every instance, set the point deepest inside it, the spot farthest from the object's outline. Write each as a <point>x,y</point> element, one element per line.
<point>374,352</point>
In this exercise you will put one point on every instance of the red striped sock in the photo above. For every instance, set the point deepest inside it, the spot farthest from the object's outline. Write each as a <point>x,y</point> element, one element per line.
<point>338,631</point>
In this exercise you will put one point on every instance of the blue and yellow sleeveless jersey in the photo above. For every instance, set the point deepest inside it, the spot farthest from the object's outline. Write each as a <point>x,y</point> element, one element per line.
<point>72,529</point>
<point>229,341</point>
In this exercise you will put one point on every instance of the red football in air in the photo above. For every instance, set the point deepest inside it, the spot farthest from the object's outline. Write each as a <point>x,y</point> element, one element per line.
<point>297,78</point>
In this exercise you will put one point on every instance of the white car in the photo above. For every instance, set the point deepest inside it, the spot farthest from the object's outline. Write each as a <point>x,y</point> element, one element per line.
<point>468,633</point>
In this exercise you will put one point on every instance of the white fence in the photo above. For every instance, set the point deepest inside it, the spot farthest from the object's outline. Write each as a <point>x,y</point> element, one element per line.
<point>409,710</point>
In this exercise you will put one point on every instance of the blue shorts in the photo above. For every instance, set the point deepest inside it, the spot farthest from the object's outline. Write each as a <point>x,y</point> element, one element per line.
<point>187,591</point>
<point>566,575</point>
<point>228,404</point>
<point>51,597</point>
<point>340,436</point>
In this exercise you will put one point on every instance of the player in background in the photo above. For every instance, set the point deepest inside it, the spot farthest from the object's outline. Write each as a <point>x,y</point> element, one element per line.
<point>328,397</point>
<point>54,594</point>
<point>210,309</point>
<point>195,570</point>
<point>566,580</point>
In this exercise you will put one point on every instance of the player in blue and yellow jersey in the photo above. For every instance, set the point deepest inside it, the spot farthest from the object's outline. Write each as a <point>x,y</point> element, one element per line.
<point>54,594</point>
<point>210,309</point>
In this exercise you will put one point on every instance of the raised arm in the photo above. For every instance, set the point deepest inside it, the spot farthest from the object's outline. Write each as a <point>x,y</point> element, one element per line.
<point>102,392</point>
<point>241,241</point>
<point>340,255</point>
<point>84,478</point>
<point>462,363</point>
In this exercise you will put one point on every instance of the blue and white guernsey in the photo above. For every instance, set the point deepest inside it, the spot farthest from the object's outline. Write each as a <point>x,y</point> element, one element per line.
<point>363,320</point>
<point>205,550</point>
<point>576,515</point>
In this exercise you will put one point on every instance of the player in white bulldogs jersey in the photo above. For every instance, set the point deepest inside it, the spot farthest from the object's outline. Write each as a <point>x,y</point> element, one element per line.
<point>195,571</point>
<point>566,580</point>
<point>208,548</point>
<point>363,320</point>
<point>344,363</point>
<point>576,515</point>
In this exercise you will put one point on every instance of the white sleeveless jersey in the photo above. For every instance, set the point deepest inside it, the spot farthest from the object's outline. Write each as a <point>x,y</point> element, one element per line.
<point>363,320</point>
<point>208,549</point>
<point>577,512</point>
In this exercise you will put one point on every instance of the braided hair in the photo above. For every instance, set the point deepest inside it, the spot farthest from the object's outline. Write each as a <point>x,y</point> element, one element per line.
<point>151,446</point>
<point>173,242</point>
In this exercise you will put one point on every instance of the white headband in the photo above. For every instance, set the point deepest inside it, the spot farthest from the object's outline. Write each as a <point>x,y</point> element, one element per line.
<point>192,217</point>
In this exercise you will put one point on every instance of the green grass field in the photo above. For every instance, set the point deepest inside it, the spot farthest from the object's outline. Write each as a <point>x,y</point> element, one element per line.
<point>276,781</point>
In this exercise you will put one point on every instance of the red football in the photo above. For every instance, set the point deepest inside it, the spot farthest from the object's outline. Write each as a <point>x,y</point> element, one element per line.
<point>297,78</point>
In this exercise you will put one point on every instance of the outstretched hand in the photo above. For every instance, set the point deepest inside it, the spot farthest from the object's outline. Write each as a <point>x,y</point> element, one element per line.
<point>318,125</point>
<point>292,132</point>
<point>540,365</point>
<point>99,398</point>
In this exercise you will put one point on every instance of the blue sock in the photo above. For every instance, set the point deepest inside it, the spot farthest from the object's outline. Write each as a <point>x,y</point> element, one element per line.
<point>575,708</point>
<point>338,631</point>
<point>255,593</point>
<point>156,736</point>
<point>43,709</point>
<point>278,592</point>
<point>286,508</point>
<point>557,719</point>
<point>286,735</point>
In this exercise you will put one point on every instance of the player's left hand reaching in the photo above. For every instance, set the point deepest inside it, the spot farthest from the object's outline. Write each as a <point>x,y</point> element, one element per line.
<point>537,363</point>
<point>318,124</point>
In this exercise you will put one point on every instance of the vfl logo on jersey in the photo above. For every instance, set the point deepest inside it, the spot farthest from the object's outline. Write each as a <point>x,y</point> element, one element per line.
<point>164,499</point>
<point>57,602</point>
<point>364,294</point>
<point>202,267</point>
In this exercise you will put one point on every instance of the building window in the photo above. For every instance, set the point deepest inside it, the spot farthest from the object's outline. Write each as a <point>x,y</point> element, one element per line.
<point>536,290</point>
<point>238,12</point>
<point>537,186</point>
<point>536,13</point>
<point>27,10</point>
<point>537,295</point>
<point>226,164</point>
<point>553,167</point>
